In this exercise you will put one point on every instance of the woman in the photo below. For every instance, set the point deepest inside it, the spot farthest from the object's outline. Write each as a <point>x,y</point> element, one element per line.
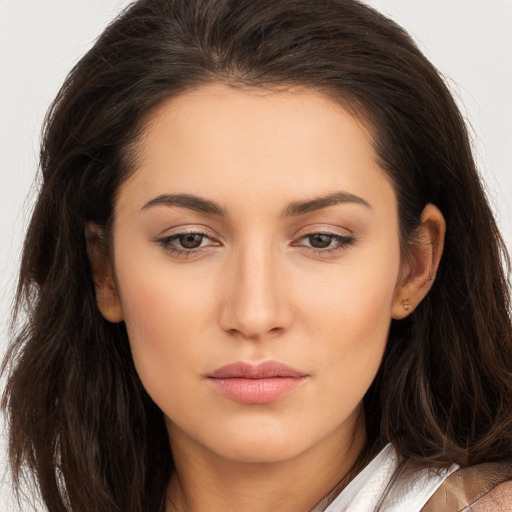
<point>261,274</point>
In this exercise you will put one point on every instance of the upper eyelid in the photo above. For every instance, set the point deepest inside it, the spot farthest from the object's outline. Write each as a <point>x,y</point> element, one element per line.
<point>184,230</point>
<point>323,232</point>
<point>317,228</point>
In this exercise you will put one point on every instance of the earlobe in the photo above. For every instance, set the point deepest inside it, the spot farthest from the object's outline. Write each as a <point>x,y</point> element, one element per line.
<point>108,301</point>
<point>424,257</point>
<point>107,296</point>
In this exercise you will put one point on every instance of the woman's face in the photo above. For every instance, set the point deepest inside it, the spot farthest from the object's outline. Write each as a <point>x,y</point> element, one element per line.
<point>256,259</point>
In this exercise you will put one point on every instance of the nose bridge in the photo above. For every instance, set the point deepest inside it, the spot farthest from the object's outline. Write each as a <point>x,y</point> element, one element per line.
<point>254,305</point>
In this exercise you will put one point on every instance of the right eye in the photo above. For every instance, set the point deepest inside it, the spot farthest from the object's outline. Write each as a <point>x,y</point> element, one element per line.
<point>185,243</point>
<point>190,240</point>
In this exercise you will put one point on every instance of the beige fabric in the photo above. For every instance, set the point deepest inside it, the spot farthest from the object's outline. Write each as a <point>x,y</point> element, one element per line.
<point>497,500</point>
<point>482,488</point>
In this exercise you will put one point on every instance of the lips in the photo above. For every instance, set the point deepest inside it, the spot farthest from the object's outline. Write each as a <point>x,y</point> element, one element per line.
<point>256,383</point>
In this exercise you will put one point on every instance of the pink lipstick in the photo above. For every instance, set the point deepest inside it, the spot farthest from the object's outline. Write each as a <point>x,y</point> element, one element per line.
<point>256,383</point>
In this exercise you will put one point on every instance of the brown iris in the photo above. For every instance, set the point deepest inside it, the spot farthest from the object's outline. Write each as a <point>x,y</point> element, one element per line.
<point>320,241</point>
<point>191,240</point>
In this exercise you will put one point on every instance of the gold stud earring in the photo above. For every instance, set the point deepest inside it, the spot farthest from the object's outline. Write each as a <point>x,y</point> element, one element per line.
<point>406,304</point>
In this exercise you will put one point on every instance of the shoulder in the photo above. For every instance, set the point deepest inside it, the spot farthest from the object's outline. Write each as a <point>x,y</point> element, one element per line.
<point>481,488</point>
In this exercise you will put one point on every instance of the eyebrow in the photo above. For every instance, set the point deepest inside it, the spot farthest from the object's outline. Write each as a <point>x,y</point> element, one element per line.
<point>296,208</point>
<point>302,207</point>
<point>188,201</point>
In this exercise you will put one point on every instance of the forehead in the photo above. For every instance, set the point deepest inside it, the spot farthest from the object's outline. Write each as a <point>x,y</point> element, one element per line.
<point>293,112</point>
<point>222,140</point>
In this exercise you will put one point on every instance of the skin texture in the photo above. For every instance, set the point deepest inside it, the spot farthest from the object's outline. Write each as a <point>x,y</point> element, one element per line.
<point>256,289</point>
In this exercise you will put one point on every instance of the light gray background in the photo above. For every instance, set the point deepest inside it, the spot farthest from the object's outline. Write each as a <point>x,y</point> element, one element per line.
<point>470,42</point>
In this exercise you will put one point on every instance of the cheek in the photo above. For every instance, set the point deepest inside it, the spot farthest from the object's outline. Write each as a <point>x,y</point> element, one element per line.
<point>164,316</point>
<point>350,310</point>
<point>356,296</point>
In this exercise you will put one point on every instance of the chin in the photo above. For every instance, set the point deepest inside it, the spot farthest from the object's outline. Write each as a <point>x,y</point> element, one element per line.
<point>264,441</point>
<point>260,451</point>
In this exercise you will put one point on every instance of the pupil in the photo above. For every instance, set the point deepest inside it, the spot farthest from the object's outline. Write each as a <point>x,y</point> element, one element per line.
<point>191,241</point>
<point>320,241</point>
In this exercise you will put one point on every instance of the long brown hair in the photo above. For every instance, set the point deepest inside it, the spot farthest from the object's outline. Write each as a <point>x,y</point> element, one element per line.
<point>81,424</point>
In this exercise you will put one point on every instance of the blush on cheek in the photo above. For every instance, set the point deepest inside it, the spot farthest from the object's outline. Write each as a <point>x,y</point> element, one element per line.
<point>155,318</point>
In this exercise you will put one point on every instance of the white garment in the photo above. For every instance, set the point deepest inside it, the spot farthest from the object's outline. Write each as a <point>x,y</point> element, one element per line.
<point>408,493</point>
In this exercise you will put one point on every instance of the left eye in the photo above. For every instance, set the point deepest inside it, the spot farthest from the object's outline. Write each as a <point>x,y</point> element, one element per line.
<point>321,241</point>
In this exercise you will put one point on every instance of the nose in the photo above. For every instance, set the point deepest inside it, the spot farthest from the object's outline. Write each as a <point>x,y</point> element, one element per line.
<point>254,303</point>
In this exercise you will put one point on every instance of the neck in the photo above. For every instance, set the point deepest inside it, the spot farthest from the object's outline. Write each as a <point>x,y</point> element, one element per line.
<point>204,482</point>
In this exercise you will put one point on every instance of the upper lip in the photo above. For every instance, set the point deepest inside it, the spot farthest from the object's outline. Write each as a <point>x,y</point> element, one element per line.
<point>265,369</point>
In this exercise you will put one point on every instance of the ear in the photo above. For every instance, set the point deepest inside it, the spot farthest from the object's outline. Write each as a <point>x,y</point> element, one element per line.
<point>107,296</point>
<point>419,271</point>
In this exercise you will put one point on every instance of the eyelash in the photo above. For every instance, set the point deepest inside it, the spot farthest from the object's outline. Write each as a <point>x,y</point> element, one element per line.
<point>342,243</point>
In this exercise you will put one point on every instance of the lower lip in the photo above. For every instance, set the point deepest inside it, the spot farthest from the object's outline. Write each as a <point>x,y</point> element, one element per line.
<point>256,391</point>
